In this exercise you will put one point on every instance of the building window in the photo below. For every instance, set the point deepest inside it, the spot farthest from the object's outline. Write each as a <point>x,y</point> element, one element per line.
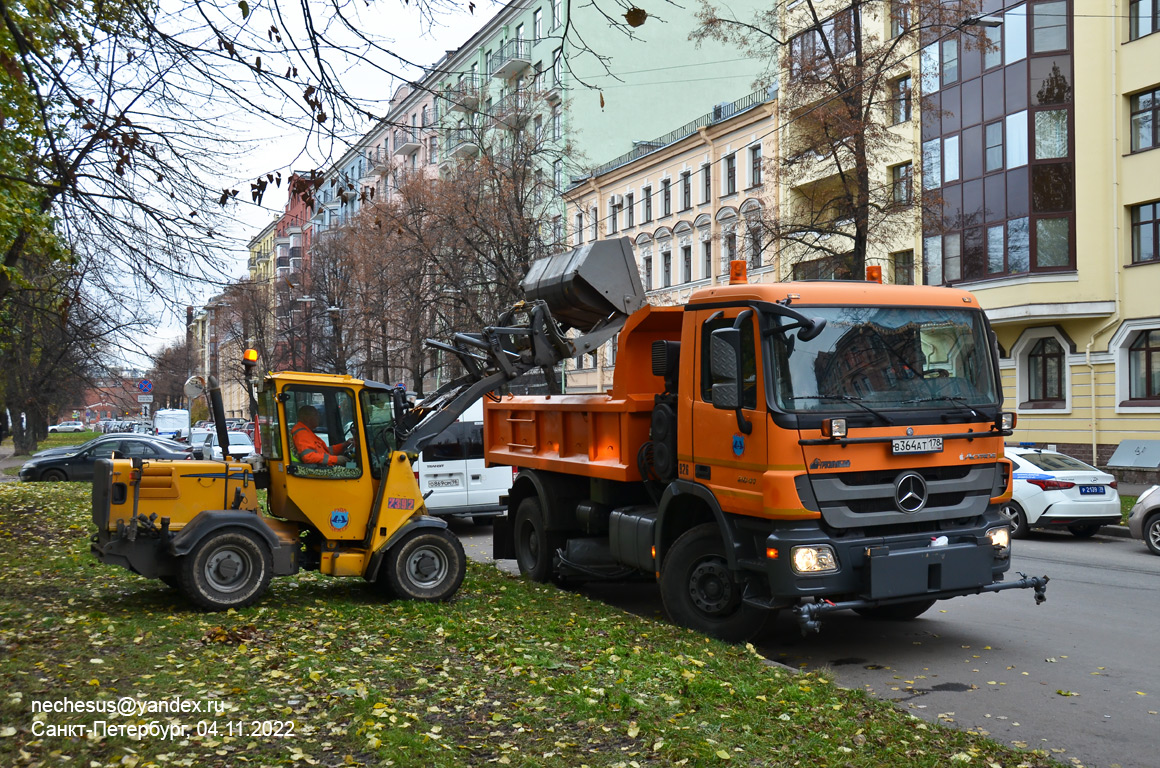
<point>1016,135</point>
<point>932,164</point>
<point>899,17</point>
<point>557,65</point>
<point>613,217</point>
<point>686,190</point>
<point>932,260</point>
<point>706,183</point>
<point>593,223</point>
<point>666,198</point>
<point>647,262</point>
<point>538,23</point>
<point>1052,243</point>
<point>706,258</point>
<point>901,184</point>
<point>557,230</point>
<point>646,201</point>
<point>556,131</point>
<point>1019,245</point>
<point>928,68</point>
<point>755,166</point>
<point>1049,26</point>
<point>557,17</point>
<point>950,61</point>
<point>730,174</point>
<point>753,235</point>
<point>1050,134</point>
<point>558,175</point>
<point>686,263</point>
<point>1146,120</point>
<point>666,268</point>
<point>994,249</point>
<point>1144,367</point>
<point>579,229</point>
<point>1044,373</point>
<point>900,100</point>
<point>1143,18</point>
<point>993,154</point>
<point>992,40</point>
<point>1145,232</point>
<point>630,211</point>
<point>432,150</point>
<point>730,249</point>
<point>950,159</point>
<point>903,262</point>
<point>952,253</point>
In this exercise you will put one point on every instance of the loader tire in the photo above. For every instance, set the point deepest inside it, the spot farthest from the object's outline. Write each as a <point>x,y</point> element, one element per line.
<point>700,592</point>
<point>535,546</point>
<point>428,564</point>
<point>230,568</point>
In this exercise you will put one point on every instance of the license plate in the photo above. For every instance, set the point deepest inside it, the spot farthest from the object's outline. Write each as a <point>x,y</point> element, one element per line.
<point>916,445</point>
<point>1091,490</point>
<point>443,483</point>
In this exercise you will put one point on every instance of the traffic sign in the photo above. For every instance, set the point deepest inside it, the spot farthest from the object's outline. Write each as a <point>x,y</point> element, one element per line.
<point>145,386</point>
<point>144,398</point>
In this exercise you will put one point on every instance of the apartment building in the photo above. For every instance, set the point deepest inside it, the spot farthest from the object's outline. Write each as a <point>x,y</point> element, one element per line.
<point>1043,150</point>
<point>691,201</point>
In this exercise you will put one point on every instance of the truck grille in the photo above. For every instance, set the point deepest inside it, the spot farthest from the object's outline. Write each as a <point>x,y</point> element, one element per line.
<point>862,499</point>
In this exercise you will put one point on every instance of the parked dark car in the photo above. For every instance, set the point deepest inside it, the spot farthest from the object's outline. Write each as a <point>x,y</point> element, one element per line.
<point>76,463</point>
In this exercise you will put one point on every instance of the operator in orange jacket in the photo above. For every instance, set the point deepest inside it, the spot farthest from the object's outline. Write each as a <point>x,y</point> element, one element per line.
<point>310,449</point>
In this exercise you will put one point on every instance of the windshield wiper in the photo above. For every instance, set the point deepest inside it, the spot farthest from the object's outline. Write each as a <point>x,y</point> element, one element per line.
<point>847,399</point>
<point>952,398</point>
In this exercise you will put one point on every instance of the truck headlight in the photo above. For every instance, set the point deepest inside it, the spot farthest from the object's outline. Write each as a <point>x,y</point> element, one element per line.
<point>815,558</point>
<point>1000,539</point>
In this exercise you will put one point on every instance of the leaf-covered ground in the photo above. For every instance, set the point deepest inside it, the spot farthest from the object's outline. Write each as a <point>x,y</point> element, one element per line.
<point>325,672</point>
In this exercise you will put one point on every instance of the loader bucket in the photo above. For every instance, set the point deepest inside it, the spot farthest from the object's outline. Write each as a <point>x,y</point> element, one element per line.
<point>587,284</point>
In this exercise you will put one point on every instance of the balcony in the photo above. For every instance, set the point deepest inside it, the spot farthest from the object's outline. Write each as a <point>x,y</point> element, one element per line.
<point>464,96</point>
<point>554,91</point>
<point>513,110</point>
<point>460,143</point>
<point>511,59</point>
<point>407,141</point>
<point>378,160</point>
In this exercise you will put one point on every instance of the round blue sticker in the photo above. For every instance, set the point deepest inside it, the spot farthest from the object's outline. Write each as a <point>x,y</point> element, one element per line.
<point>738,444</point>
<point>339,519</point>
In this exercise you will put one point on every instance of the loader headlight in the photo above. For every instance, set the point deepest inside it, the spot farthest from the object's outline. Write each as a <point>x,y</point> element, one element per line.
<point>815,558</point>
<point>1001,540</point>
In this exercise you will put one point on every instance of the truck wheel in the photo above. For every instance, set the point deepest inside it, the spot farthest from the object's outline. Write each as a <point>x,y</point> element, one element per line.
<point>700,592</point>
<point>1017,518</point>
<point>1084,530</point>
<point>427,564</point>
<point>535,547</point>
<point>1152,534</point>
<point>228,569</point>
<point>897,611</point>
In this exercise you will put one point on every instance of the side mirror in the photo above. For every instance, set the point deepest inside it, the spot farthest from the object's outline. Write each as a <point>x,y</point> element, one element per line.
<point>725,367</point>
<point>811,331</point>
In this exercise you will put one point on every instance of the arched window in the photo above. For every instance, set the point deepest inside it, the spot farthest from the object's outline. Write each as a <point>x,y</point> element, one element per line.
<point>1144,366</point>
<point>1045,371</point>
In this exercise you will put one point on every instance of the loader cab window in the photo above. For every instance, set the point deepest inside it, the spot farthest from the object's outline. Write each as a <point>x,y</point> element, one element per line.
<point>320,420</point>
<point>268,429</point>
<point>748,361</point>
<point>379,426</point>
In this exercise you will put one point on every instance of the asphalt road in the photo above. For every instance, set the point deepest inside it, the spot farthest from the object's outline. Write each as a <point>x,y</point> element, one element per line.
<point>1078,676</point>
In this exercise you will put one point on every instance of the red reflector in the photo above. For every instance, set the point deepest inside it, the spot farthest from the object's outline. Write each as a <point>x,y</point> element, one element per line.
<point>1052,485</point>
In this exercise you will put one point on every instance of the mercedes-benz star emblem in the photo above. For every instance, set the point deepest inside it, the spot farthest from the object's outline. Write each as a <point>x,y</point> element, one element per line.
<point>910,492</point>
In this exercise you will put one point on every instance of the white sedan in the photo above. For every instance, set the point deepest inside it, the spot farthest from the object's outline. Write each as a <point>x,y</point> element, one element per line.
<point>1053,490</point>
<point>240,445</point>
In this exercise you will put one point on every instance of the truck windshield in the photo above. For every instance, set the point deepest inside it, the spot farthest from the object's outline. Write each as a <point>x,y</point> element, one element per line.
<point>883,358</point>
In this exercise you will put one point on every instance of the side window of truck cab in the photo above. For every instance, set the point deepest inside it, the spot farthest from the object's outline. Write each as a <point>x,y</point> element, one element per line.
<point>749,381</point>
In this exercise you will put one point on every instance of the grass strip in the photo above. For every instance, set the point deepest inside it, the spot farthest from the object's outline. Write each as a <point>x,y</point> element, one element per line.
<point>509,673</point>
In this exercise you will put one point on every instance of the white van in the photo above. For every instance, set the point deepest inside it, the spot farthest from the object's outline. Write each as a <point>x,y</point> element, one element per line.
<point>172,423</point>
<point>451,467</point>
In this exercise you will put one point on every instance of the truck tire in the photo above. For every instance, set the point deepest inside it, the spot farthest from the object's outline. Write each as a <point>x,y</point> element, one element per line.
<point>428,564</point>
<point>897,611</point>
<point>1017,519</point>
<point>699,590</point>
<point>535,547</point>
<point>230,568</point>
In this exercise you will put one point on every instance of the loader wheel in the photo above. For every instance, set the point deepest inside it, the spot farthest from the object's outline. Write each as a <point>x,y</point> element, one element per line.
<point>699,590</point>
<point>228,569</point>
<point>897,611</point>
<point>535,547</point>
<point>427,564</point>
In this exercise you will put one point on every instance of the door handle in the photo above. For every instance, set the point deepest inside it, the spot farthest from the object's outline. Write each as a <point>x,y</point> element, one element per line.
<point>476,477</point>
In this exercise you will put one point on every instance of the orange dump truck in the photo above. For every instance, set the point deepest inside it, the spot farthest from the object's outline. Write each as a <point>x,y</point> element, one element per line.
<point>809,446</point>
